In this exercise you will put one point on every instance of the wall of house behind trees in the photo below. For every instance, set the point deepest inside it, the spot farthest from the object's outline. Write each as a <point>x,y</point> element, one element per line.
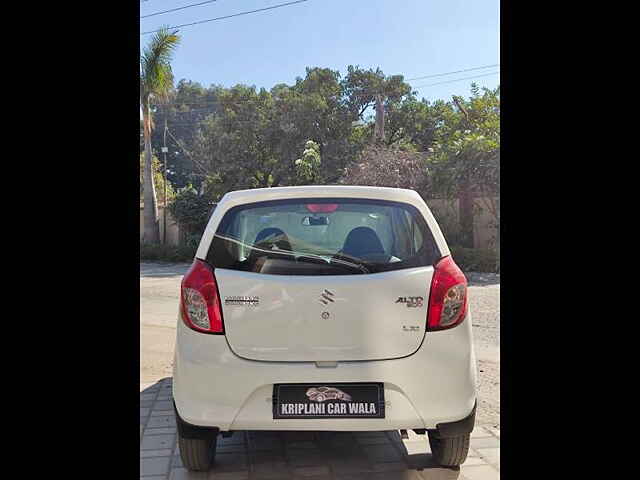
<point>173,230</point>
<point>485,232</point>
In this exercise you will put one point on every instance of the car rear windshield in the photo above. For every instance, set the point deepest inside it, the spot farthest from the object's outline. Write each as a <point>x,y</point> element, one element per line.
<point>329,236</point>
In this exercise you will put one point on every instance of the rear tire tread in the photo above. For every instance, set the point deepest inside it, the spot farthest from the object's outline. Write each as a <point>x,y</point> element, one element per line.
<point>449,452</point>
<point>197,453</point>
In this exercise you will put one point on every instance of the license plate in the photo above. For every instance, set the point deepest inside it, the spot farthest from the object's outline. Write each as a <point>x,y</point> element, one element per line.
<point>333,400</point>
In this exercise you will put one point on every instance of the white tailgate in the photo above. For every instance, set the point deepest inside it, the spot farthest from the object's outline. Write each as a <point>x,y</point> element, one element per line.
<point>284,318</point>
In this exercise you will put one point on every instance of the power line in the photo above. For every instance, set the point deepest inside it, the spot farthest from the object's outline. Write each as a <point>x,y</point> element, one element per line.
<point>230,16</point>
<point>457,80</point>
<point>451,73</point>
<point>196,162</point>
<point>178,8</point>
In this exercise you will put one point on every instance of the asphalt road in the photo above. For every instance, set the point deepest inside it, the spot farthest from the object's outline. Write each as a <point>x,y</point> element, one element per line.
<point>159,290</point>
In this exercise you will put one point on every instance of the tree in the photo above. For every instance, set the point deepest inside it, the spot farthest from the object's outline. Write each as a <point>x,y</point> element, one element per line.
<point>308,166</point>
<point>466,154</point>
<point>191,103</point>
<point>156,82</point>
<point>372,88</point>
<point>315,109</point>
<point>158,180</point>
<point>382,166</point>
<point>191,210</point>
<point>254,138</point>
<point>362,86</point>
<point>236,144</point>
<point>413,122</point>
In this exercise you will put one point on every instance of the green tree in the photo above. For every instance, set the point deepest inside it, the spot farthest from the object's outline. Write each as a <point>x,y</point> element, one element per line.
<point>158,180</point>
<point>156,82</point>
<point>413,122</point>
<point>361,87</point>
<point>315,109</point>
<point>191,210</point>
<point>254,137</point>
<point>191,103</point>
<point>236,144</point>
<point>308,166</point>
<point>466,154</point>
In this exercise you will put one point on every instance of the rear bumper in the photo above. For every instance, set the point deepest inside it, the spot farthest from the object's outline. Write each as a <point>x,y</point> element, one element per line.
<point>434,387</point>
<point>461,427</point>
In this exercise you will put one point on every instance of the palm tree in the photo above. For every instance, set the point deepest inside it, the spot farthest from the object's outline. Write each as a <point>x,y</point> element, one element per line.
<point>156,82</point>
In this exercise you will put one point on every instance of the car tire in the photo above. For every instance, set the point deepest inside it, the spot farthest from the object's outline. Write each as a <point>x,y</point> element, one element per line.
<point>197,453</point>
<point>449,452</point>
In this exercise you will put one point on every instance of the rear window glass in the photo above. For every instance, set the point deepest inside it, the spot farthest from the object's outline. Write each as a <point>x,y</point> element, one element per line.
<point>322,237</point>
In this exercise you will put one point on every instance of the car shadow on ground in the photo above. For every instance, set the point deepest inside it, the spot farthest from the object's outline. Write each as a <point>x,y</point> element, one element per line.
<point>284,455</point>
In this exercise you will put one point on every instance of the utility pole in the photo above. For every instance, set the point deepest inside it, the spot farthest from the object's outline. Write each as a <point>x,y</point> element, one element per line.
<point>164,210</point>
<point>378,134</point>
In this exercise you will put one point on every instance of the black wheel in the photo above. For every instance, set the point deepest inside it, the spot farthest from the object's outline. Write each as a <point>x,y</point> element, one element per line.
<point>197,453</point>
<point>449,452</point>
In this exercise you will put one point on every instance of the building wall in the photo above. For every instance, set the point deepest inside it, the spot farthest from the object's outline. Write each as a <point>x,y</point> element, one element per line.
<point>173,231</point>
<point>485,233</point>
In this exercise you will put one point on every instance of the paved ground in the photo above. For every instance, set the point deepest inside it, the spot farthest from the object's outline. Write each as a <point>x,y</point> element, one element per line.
<point>159,295</point>
<point>484,298</point>
<point>378,455</point>
<point>304,455</point>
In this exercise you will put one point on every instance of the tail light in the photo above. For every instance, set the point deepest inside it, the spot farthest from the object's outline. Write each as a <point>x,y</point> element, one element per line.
<point>199,299</point>
<point>448,296</point>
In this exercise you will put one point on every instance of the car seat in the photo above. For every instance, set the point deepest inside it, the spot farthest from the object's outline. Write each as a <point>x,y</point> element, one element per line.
<point>362,242</point>
<point>275,242</point>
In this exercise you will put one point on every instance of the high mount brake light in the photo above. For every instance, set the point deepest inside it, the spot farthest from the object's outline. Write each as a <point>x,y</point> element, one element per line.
<point>199,299</point>
<point>448,296</point>
<point>322,207</point>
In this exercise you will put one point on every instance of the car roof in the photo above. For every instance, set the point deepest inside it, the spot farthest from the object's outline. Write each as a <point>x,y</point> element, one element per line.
<point>345,191</point>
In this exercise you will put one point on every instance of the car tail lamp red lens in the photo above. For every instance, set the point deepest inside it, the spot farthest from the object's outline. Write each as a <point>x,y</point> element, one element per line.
<point>448,296</point>
<point>322,207</point>
<point>199,299</point>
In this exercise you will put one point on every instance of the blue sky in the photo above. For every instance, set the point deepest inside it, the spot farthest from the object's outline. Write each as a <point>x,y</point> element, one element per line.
<point>410,37</point>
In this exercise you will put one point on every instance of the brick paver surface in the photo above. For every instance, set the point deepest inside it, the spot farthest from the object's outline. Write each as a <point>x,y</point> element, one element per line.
<point>257,455</point>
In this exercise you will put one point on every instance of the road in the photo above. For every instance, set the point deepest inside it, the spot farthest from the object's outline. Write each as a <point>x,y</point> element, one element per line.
<point>159,289</point>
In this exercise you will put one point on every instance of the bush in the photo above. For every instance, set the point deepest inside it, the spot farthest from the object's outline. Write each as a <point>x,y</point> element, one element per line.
<point>191,240</point>
<point>167,253</point>
<point>475,259</point>
<point>191,210</point>
<point>387,167</point>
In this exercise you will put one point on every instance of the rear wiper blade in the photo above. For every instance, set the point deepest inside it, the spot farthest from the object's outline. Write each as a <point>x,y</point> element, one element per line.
<point>352,263</point>
<point>311,258</point>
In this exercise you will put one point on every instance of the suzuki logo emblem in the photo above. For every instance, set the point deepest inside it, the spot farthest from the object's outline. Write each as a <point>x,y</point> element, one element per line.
<point>325,297</point>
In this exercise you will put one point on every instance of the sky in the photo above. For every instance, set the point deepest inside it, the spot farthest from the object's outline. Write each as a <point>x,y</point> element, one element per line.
<point>414,38</point>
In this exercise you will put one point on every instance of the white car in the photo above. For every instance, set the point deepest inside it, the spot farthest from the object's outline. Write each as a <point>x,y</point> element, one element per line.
<point>332,308</point>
